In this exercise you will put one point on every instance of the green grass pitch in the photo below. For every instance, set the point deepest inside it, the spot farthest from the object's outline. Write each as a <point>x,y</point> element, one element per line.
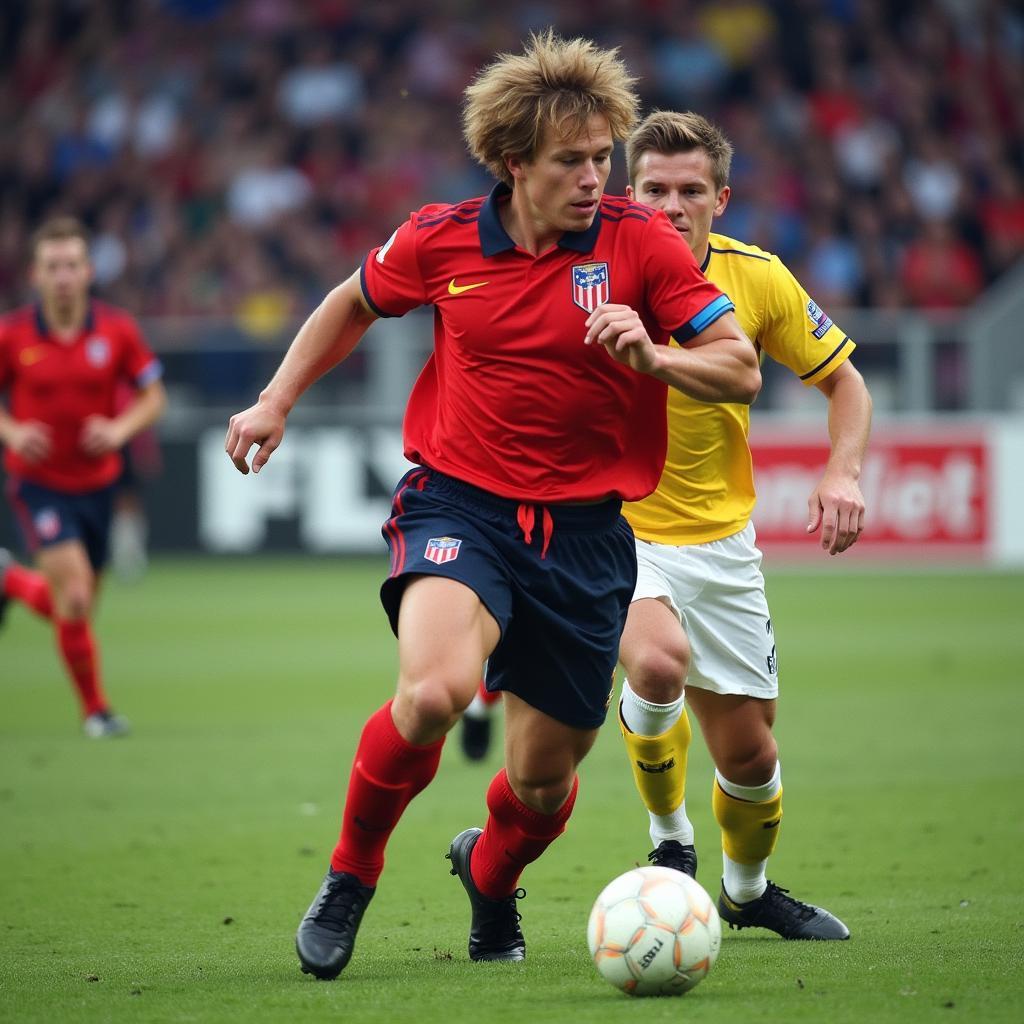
<point>161,877</point>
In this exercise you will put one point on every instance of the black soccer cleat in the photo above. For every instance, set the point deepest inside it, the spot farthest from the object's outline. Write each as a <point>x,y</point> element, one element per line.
<point>103,725</point>
<point>327,934</point>
<point>777,911</point>
<point>475,735</point>
<point>494,932</point>
<point>672,854</point>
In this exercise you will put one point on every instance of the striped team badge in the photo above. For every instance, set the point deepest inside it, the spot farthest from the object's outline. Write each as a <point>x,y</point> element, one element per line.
<point>442,549</point>
<point>590,285</point>
<point>47,523</point>
<point>97,351</point>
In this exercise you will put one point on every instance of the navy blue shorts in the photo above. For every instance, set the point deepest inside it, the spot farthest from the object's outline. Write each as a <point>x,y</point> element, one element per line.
<point>45,517</point>
<point>558,580</point>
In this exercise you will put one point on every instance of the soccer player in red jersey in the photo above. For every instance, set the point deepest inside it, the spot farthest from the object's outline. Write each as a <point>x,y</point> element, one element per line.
<point>541,408</point>
<point>61,362</point>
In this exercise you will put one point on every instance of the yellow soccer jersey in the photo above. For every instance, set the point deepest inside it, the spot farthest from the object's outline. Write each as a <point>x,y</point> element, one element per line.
<point>706,490</point>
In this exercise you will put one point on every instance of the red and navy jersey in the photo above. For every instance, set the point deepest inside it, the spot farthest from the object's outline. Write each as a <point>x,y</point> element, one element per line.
<point>62,383</point>
<point>511,400</point>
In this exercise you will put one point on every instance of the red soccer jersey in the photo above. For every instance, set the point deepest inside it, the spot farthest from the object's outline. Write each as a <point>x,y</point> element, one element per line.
<point>62,384</point>
<point>511,400</point>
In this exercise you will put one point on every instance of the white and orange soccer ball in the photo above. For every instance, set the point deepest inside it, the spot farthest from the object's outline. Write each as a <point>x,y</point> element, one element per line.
<point>654,932</point>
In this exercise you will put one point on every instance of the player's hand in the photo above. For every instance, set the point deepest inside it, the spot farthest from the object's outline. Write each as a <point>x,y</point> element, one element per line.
<point>837,506</point>
<point>622,333</point>
<point>30,441</point>
<point>260,425</point>
<point>100,436</point>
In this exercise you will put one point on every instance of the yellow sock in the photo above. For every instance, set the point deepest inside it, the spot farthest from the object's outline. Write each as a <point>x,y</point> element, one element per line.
<point>659,764</point>
<point>749,830</point>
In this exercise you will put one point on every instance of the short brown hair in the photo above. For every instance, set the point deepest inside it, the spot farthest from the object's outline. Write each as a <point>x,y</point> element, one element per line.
<point>554,82</point>
<point>668,132</point>
<point>58,229</point>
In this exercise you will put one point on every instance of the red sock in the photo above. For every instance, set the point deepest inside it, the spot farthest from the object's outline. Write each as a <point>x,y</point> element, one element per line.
<point>487,697</point>
<point>388,772</point>
<point>30,588</point>
<point>514,836</point>
<point>78,648</point>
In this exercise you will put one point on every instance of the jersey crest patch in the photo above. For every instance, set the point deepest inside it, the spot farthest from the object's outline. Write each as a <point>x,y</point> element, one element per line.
<point>590,285</point>
<point>442,549</point>
<point>97,351</point>
<point>821,320</point>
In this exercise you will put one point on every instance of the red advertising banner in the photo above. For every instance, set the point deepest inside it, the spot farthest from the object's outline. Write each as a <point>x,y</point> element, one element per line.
<point>924,496</point>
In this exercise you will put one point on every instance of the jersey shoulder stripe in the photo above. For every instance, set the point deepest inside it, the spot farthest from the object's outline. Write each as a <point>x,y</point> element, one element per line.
<point>740,252</point>
<point>445,218</point>
<point>622,205</point>
<point>614,218</point>
<point>465,212</point>
<point>723,245</point>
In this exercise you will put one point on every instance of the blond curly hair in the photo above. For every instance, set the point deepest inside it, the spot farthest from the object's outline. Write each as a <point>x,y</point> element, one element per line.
<point>555,82</point>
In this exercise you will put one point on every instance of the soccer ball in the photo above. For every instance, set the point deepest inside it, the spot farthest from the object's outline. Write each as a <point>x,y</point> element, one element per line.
<point>654,932</point>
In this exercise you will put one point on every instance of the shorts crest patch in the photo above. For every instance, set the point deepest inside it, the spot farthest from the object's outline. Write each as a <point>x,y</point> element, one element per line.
<point>590,285</point>
<point>442,549</point>
<point>47,523</point>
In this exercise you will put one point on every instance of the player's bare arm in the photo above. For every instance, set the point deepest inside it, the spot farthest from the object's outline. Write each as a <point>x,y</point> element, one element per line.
<point>836,504</point>
<point>101,434</point>
<point>719,365</point>
<point>29,439</point>
<point>329,335</point>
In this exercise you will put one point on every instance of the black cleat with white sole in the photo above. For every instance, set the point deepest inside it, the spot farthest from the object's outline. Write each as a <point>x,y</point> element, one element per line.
<point>494,932</point>
<point>672,854</point>
<point>327,934</point>
<point>777,911</point>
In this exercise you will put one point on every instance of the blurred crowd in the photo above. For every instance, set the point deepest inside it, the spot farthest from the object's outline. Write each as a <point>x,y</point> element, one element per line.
<point>239,157</point>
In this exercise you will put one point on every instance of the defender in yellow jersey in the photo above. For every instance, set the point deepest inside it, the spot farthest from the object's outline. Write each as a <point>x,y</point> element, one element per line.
<point>699,613</point>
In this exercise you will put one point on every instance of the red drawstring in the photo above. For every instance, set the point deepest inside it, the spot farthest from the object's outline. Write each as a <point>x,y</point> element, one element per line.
<point>525,516</point>
<point>549,529</point>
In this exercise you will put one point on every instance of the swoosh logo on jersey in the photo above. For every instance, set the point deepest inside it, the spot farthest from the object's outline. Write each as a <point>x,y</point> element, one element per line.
<point>32,355</point>
<point>458,289</point>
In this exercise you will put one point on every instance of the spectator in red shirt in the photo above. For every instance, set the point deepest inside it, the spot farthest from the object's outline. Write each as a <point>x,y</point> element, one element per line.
<point>61,362</point>
<point>939,270</point>
<point>1002,216</point>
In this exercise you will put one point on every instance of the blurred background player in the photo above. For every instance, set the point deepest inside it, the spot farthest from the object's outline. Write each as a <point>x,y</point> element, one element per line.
<point>507,543</point>
<point>477,721</point>
<point>129,529</point>
<point>699,614</point>
<point>61,361</point>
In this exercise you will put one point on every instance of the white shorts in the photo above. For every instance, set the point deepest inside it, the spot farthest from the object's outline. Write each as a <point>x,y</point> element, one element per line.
<point>717,592</point>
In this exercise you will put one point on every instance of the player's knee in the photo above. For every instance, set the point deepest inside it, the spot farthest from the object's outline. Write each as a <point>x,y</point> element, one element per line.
<point>73,602</point>
<point>657,674</point>
<point>431,704</point>
<point>751,764</point>
<point>542,792</point>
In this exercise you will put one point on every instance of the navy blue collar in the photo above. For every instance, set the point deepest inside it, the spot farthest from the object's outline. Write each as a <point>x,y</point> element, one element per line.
<point>44,331</point>
<point>494,238</point>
